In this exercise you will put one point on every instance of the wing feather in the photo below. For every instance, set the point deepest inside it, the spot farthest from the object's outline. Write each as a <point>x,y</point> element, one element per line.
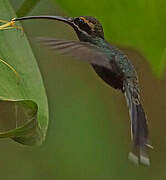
<point>82,50</point>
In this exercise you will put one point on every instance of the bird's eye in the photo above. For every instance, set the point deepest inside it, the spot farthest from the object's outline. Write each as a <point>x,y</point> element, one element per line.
<point>79,21</point>
<point>82,25</point>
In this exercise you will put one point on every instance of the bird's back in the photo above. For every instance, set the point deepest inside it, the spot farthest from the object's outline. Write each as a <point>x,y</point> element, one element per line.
<point>120,69</point>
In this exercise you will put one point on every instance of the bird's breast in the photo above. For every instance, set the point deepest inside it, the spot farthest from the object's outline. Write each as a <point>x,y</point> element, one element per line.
<point>113,79</point>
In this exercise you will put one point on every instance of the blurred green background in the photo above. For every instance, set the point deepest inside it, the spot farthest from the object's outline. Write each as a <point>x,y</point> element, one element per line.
<point>89,129</point>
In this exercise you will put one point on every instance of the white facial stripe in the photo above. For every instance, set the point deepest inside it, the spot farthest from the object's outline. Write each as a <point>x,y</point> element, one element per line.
<point>84,32</point>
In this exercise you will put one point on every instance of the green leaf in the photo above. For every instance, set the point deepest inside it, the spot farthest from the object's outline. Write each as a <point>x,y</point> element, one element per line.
<point>140,24</point>
<point>23,103</point>
<point>26,7</point>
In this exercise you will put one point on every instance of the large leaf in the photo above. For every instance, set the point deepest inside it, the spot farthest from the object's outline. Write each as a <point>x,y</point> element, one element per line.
<point>140,24</point>
<point>23,103</point>
<point>26,7</point>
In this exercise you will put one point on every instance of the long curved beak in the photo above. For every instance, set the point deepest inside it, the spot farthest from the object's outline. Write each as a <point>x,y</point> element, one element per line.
<point>58,18</point>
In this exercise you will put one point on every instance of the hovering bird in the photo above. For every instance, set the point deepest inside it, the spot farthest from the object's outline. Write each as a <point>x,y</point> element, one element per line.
<point>112,65</point>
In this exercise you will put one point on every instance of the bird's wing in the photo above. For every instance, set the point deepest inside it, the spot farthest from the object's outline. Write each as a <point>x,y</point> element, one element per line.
<point>82,50</point>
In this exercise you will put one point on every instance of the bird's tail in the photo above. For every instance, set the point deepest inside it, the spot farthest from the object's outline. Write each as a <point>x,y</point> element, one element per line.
<point>139,128</point>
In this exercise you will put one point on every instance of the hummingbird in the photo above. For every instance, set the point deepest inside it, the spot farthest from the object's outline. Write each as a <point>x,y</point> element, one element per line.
<point>111,65</point>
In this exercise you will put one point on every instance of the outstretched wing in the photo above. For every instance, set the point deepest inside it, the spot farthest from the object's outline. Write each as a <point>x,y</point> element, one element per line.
<point>81,50</point>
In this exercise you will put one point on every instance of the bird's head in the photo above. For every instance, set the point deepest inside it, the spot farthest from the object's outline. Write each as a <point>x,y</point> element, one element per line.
<point>86,27</point>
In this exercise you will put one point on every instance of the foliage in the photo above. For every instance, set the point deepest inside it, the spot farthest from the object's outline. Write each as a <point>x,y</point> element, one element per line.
<point>27,97</point>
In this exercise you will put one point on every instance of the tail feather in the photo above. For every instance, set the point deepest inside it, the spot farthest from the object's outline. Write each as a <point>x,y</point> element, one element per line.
<point>139,127</point>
